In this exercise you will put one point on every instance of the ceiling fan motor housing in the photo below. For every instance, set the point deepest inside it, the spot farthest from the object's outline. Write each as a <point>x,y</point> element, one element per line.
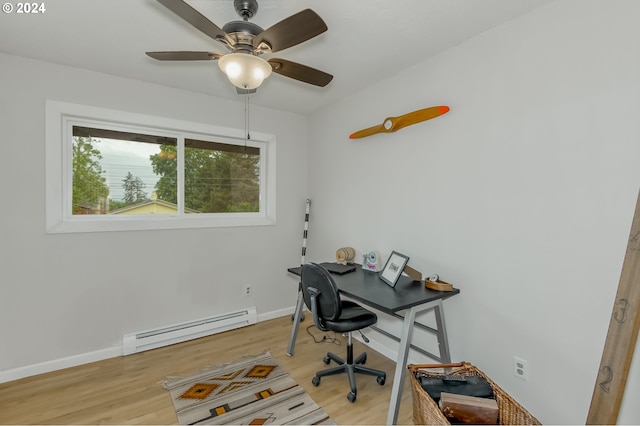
<point>242,33</point>
<point>246,8</point>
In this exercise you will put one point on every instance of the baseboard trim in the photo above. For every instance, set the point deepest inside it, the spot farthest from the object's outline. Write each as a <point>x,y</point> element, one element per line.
<point>116,351</point>
<point>102,354</point>
<point>59,364</point>
<point>276,314</point>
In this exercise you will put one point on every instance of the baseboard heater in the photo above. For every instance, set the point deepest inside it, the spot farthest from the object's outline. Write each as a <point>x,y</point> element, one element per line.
<point>168,335</point>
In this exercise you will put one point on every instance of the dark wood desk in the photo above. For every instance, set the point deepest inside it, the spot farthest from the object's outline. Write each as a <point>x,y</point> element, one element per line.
<point>408,296</point>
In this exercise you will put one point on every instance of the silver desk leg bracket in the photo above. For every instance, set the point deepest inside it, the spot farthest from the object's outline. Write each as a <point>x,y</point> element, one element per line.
<point>403,353</point>
<point>401,365</point>
<point>443,340</point>
<point>296,321</point>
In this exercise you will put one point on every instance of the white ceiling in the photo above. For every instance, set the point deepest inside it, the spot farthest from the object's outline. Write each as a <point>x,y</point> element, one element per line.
<point>367,40</point>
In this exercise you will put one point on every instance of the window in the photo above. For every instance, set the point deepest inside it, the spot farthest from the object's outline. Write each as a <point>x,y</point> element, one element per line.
<point>112,171</point>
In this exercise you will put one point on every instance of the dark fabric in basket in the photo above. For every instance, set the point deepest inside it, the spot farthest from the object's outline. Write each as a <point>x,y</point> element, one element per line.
<point>463,385</point>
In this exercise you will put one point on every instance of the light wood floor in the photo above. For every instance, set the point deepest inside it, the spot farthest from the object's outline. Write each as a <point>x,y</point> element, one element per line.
<point>126,390</point>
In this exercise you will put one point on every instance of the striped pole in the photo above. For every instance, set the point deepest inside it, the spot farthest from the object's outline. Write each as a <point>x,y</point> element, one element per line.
<point>306,230</point>
<point>298,315</point>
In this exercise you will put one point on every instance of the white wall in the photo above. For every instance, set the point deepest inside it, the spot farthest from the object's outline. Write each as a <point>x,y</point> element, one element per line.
<point>69,295</point>
<point>522,196</point>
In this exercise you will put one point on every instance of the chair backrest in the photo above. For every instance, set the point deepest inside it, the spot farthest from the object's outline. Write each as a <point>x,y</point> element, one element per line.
<point>320,294</point>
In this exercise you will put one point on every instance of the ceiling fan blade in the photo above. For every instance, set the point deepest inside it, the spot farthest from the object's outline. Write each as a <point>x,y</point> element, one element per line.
<point>300,72</point>
<point>195,18</point>
<point>184,56</point>
<point>391,124</point>
<point>290,31</point>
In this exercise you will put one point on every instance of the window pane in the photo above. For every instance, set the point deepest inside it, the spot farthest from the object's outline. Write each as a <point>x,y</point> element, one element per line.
<point>121,173</point>
<point>100,148</point>
<point>221,178</point>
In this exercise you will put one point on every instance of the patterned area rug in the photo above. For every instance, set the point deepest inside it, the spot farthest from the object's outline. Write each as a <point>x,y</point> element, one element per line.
<point>254,390</point>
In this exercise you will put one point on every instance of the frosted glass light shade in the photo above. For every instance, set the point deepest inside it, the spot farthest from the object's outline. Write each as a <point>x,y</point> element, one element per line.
<point>244,70</point>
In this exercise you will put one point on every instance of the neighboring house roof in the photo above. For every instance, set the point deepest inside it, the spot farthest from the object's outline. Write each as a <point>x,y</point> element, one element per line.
<point>151,207</point>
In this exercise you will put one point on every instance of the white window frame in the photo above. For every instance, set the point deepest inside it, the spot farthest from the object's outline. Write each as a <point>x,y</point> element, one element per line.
<point>61,116</point>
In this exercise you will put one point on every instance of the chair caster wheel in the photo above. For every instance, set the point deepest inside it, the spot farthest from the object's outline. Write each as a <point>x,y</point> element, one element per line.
<point>315,381</point>
<point>326,360</point>
<point>351,397</point>
<point>364,359</point>
<point>381,380</point>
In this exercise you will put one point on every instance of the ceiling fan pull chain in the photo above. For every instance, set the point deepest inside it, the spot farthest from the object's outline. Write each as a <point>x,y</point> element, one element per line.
<point>246,122</point>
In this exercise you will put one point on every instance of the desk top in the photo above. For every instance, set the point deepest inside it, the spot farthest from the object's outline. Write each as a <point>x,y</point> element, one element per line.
<point>368,288</point>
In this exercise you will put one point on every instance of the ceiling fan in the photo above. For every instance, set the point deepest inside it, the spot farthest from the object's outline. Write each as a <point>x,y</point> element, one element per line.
<point>247,41</point>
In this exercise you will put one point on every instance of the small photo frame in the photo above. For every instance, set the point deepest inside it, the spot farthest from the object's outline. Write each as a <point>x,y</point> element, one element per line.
<point>393,268</point>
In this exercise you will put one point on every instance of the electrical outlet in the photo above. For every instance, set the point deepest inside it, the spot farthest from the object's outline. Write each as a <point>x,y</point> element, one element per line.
<point>248,289</point>
<point>520,368</point>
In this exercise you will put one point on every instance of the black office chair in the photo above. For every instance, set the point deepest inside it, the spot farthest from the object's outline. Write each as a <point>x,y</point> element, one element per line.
<point>321,296</point>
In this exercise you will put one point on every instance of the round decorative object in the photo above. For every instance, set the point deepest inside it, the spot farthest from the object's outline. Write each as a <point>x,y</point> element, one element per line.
<point>371,261</point>
<point>345,255</point>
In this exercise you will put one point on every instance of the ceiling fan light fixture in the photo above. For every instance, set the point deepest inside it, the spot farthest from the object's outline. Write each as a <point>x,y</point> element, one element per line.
<point>244,70</point>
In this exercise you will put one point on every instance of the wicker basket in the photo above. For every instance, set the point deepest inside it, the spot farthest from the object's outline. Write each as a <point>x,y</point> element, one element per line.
<point>426,412</point>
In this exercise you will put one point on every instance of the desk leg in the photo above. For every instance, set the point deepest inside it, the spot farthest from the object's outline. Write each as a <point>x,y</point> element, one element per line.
<point>443,341</point>
<point>401,366</point>
<point>296,322</point>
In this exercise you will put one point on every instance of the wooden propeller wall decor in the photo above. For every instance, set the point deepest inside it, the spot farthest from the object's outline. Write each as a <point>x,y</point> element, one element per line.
<point>391,124</point>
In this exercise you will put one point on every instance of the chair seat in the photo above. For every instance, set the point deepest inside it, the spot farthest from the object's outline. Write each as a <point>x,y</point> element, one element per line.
<point>353,317</point>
